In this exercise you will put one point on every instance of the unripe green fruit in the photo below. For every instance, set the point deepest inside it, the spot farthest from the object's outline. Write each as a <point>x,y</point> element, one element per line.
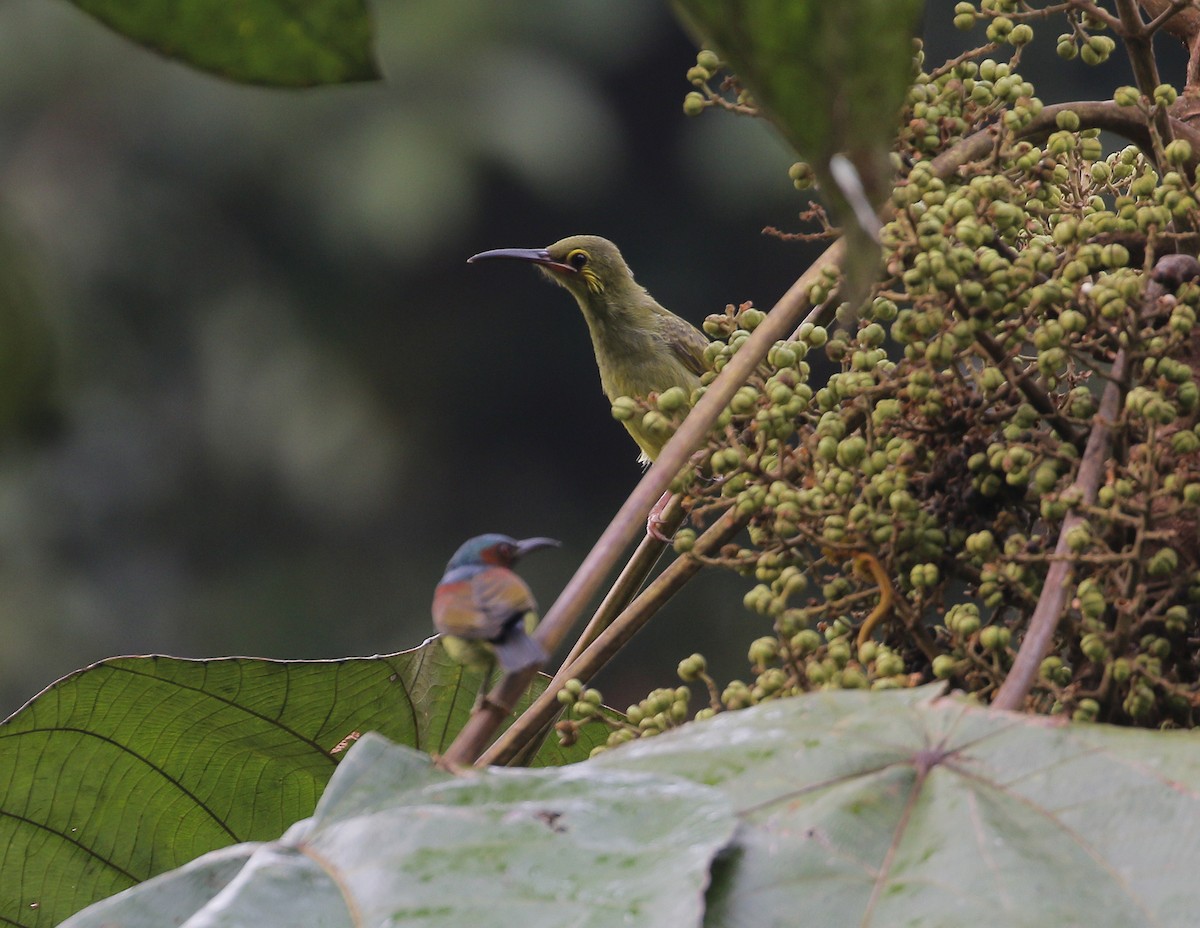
<point>698,75</point>
<point>1049,668</point>
<point>1176,620</point>
<point>750,319</point>
<point>1068,120</point>
<point>850,451</point>
<point>673,399</point>
<point>1140,701</point>
<point>992,379</point>
<point>736,695</point>
<point>981,543</point>
<point>1178,151</point>
<point>1165,95</point>
<point>708,60</point>
<point>656,423</point>
<point>1126,96</point>
<point>764,650</point>
<point>1162,563</point>
<point>690,668</point>
<point>1021,34</point>
<point>684,540</point>
<point>999,28</point>
<point>995,637</point>
<point>943,666</point>
<point>694,104</point>
<point>1097,49</point>
<point>1079,538</point>
<point>624,408</point>
<point>1094,647</point>
<point>839,652</point>
<point>1144,185</point>
<point>1088,710</point>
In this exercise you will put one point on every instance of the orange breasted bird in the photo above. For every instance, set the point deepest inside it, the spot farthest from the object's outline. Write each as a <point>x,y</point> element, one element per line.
<point>484,611</point>
<point>641,348</point>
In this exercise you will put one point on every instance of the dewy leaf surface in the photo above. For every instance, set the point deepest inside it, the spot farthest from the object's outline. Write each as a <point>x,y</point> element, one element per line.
<point>397,842</point>
<point>879,809</point>
<point>136,765</point>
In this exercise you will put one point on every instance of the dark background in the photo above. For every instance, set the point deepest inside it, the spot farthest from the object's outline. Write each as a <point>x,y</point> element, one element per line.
<point>251,396</point>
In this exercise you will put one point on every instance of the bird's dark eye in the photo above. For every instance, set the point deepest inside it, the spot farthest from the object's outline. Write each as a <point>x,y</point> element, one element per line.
<point>577,259</point>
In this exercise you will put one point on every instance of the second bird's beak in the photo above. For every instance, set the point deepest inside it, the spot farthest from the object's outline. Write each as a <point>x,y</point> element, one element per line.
<point>525,545</point>
<point>531,255</point>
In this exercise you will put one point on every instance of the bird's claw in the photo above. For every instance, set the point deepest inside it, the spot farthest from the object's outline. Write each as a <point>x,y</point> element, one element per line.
<point>655,520</point>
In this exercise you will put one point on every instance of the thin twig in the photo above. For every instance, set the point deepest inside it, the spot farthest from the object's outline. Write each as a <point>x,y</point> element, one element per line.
<point>1032,391</point>
<point>1049,609</point>
<point>1139,45</point>
<point>610,641</point>
<point>620,594</point>
<point>629,581</point>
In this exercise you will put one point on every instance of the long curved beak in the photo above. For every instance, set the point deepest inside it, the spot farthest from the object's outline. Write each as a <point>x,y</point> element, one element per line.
<point>530,255</point>
<point>525,545</point>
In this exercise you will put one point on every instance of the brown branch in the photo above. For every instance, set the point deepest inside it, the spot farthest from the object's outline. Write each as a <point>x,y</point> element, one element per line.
<point>1038,398</point>
<point>1099,14</point>
<point>1182,20</point>
<point>529,726</point>
<point>1139,43</point>
<point>630,519</point>
<point>1125,121</point>
<point>629,581</point>
<point>1049,609</point>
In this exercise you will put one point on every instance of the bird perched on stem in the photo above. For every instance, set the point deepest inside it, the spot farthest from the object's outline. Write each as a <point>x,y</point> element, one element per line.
<point>484,611</point>
<point>641,348</point>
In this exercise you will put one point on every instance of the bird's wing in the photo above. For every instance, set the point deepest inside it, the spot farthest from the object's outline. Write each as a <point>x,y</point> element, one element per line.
<point>483,605</point>
<point>686,341</point>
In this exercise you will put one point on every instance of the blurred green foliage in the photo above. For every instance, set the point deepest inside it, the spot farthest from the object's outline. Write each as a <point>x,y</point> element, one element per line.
<point>280,397</point>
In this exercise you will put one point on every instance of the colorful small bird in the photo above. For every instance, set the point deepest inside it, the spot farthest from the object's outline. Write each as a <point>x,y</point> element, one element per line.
<point>484,611</point>
<point>641,348</point>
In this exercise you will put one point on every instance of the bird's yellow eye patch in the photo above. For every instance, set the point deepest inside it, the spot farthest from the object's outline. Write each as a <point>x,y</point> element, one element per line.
<point>579,259</point>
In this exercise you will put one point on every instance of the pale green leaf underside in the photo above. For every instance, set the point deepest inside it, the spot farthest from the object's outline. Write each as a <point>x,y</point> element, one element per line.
<point>397,842</point>
<point>137,765</point>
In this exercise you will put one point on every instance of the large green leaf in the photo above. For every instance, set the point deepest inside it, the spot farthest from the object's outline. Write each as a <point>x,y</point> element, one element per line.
<point>396,841</point>
<point>252,41</point>
<point>905,809</point>
<point>832,76</point>
<point>136,765</point>
<point>853,808</point>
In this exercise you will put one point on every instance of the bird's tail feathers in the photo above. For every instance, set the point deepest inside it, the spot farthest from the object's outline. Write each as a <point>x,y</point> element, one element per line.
<point>517,651</point>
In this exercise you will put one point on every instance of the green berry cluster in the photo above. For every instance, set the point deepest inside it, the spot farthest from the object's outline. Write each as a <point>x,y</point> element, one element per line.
<point>728,94</point>
<point>904,507</point>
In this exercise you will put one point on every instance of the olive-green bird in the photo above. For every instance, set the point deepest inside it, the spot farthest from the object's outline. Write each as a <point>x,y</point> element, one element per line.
<point>641,348</point>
